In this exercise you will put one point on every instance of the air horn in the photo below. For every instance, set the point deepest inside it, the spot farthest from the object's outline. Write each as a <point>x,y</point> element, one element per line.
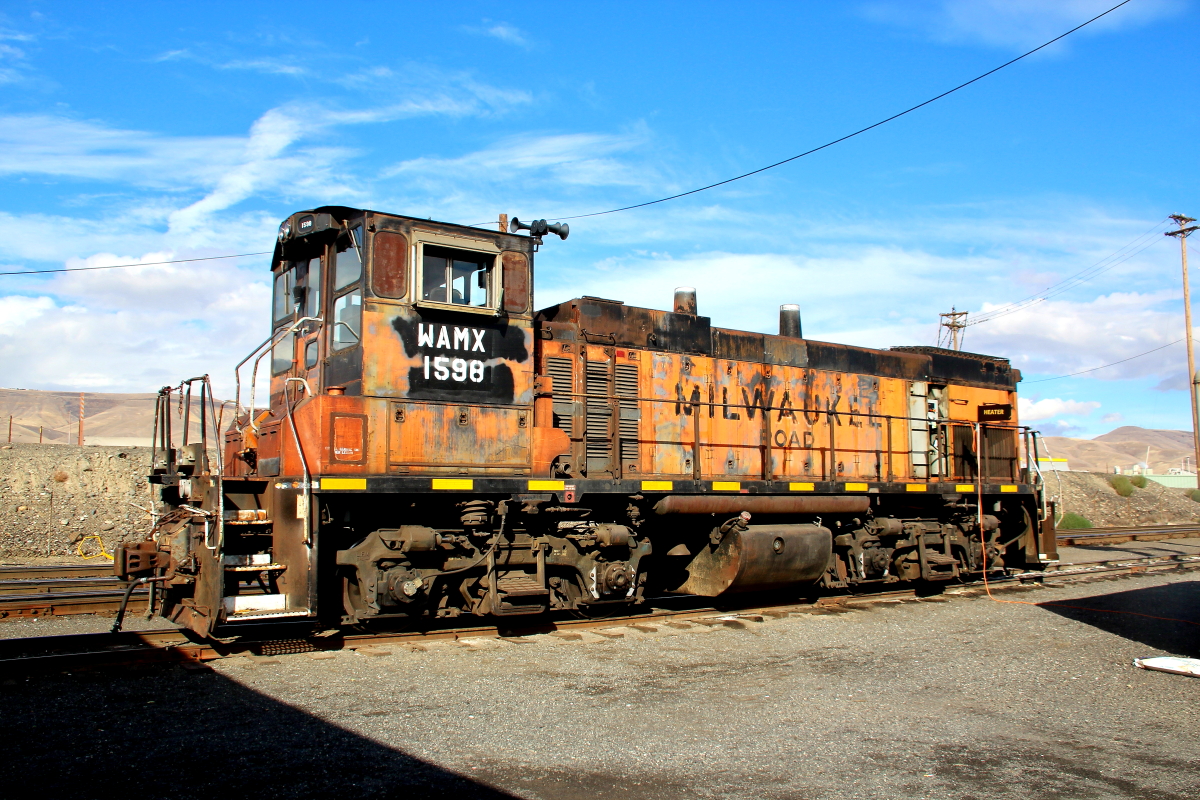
<point>539,228</point>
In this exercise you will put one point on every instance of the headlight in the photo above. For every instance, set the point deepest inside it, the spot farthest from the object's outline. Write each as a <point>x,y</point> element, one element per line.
<point>285,229</point>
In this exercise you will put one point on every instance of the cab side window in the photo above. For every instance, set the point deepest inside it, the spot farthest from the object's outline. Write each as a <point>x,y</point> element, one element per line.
<point>347,291</point>
<point>282,307</point>
<point>283,353</point>
<point>285,281</point>
<point>457,277</point>
<point>348,267</point>
<point>312,295</point>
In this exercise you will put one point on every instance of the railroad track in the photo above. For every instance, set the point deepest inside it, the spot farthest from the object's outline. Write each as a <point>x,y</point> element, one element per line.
<point>1093,536</point>
<point>60,589</point>
<point>55,590</point>
<point>88,651</point>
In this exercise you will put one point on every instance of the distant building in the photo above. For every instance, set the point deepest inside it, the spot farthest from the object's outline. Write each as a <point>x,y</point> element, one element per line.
<point>1047,464</point>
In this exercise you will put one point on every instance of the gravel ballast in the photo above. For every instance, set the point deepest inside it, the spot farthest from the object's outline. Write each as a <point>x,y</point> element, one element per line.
<point>51,496</point>
<point>942,698</point>
<point>1092,496</point>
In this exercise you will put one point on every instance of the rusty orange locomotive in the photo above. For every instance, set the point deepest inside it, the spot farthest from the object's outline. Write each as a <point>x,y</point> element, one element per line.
<point>433,446</point>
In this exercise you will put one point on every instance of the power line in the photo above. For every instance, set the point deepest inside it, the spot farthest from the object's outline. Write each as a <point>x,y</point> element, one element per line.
<point>1103,366</point>
<point>122,266</point>
<point>849,135</point>
<point>1097,269</point>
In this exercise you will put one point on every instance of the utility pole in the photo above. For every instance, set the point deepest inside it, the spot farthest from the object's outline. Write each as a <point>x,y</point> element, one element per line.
<point>80,437</point>
<point>1183,232</point>
<point>954,322</point>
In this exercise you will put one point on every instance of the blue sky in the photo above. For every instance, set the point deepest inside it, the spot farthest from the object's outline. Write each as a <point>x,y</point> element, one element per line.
<point>141,132</point>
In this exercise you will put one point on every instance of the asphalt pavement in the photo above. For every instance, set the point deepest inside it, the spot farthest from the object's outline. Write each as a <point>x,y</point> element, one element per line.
<point>937,698</point>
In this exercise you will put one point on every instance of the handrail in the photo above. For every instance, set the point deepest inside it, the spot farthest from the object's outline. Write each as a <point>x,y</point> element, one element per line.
<point>300,452</point>
<point>259,351</point>
<point>942,452</point>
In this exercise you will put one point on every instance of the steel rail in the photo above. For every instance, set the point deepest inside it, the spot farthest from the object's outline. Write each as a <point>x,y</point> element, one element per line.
<point>33,571</point>
<point>1120,535</point>
<point>83,651</point>
<point>58,604</point>
<point>60,590</point>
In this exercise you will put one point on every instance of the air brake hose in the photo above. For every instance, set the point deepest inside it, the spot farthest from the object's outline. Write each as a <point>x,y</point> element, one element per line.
<point>128,592</point>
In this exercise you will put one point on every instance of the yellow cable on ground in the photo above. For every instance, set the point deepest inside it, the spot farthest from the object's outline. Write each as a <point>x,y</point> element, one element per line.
<point>103,552</point>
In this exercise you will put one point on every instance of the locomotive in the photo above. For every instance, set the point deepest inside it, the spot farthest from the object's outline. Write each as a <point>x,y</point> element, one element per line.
<point>433,447</point>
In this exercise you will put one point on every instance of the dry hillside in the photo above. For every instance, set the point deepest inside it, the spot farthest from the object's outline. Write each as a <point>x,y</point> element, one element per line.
<point>1123,448</point>
<point>122,420</point>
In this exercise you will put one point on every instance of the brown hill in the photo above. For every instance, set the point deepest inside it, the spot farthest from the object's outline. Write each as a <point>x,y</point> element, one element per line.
<point>1123,447</point>
<point>122,420</point>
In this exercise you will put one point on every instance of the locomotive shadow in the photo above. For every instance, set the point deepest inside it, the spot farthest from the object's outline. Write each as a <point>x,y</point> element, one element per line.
<point>1177,601</point>
<point>169,733</point>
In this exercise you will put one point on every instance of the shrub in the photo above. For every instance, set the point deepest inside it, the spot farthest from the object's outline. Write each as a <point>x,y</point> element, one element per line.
<point>1194,494</point>
<point>1073,522</point>
<point>1139,481</point>
<point>1121,485</point>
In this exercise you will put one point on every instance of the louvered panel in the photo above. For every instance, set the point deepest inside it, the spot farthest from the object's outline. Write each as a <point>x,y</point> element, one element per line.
<point>627,386</point>
<point>562,383</point>
<point>598,436</point>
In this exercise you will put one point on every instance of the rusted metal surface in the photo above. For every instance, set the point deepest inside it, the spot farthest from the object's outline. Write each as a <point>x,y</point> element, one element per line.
<point>760,557</point>
<point>761,504</point>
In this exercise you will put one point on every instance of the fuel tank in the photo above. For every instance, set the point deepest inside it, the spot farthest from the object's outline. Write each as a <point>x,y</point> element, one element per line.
<point>760,557</point>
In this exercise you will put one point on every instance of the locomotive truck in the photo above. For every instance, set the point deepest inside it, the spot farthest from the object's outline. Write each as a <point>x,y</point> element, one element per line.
<point>432,446</point>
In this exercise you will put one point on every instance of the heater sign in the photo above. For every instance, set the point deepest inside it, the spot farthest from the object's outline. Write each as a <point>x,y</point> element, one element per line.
<point>995,412</point>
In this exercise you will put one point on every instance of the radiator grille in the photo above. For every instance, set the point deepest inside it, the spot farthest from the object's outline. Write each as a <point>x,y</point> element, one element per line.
<point>598,441</point>
<point>559,370</point>
<point>627,386</point>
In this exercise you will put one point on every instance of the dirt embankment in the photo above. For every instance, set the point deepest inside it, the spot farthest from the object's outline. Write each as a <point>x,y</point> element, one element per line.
<point>1090,495</point>
<point>51,496</point>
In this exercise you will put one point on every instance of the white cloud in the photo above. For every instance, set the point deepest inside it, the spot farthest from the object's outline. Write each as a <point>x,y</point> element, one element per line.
<point>1037,410</point>
<point>1061,337</point>
<point>1059,428</point>
<point>261,167</point>
<point>503,31</point>
<point>1114,417</point>
<point>18,310</point>
<point>67,148</point>
<point>13,65</point>
<point>1015,23</point>
<point>135,329</point>
<point>269,66</point>
<point>585,159</point>
<point>173,55</point>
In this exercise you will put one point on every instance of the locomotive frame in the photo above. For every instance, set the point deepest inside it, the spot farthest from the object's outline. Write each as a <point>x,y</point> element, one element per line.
<point>432,447</point>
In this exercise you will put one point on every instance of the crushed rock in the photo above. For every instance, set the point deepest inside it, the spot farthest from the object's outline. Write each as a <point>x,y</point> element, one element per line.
<point>52,496</point>
<point>1090,495</point>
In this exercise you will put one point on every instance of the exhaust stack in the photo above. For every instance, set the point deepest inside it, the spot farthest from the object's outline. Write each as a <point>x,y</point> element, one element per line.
<point>789,321</point>
<point>685,300</point>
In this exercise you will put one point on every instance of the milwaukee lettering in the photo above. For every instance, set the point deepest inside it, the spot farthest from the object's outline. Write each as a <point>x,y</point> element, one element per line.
<point>447,368</point>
